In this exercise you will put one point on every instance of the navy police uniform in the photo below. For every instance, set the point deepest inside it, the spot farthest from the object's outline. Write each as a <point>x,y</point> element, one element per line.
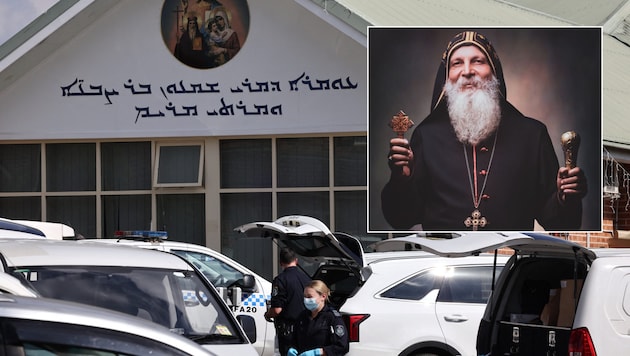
<point>288,293</point>
<point>327,330</point>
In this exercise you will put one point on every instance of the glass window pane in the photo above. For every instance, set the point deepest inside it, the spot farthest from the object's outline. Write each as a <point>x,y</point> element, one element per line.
<point>250,156</point>
<point>126,212</point>
<point>78,212</point>
<point>20,168</point>
<point>24,208</point>
<point>242,208</point>
<point>179,164</point>
<point>351,161</point>
<point>314,204</point>
<point>351,216</point>
<point>126,165</point>
<point>303,162</point>
<point>183,217</point>
<point>70,167</point>
<point>467,285</point>
<point>414,288</point>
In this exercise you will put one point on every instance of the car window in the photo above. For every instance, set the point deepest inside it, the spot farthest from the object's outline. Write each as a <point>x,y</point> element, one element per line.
<point>467,284</point>
<point>219,273</point>
<point>178,300</point>
<point>415,287</point>
<point>44,338</point>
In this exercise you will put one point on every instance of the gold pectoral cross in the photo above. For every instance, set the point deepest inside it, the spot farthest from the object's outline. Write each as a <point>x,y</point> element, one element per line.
<point>475,220</point>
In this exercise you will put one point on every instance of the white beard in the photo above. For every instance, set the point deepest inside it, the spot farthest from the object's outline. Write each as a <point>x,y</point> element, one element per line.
<point>475,113</point>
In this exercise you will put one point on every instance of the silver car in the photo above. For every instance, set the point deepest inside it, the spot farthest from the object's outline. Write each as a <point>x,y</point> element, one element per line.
<point>157,286</point>
<point>42,326</point>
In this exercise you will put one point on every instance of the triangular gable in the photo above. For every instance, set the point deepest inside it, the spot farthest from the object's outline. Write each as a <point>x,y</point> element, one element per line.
<point>86,74</point>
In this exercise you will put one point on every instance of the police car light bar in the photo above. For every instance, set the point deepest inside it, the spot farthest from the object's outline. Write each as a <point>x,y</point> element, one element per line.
<point>142,234</point>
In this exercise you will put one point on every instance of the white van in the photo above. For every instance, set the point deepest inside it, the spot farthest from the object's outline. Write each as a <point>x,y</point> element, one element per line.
<point>245,292</point>
<point>157,286</point>
<point>553,297</point>
<point>38,229</point>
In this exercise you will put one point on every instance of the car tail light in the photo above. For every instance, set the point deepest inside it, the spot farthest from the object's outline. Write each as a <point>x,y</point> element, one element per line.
<point>352,324</point>
<point>580,343</point>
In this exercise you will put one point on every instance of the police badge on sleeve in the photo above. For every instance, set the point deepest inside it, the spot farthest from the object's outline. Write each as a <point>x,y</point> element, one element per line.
<point>340,330</point>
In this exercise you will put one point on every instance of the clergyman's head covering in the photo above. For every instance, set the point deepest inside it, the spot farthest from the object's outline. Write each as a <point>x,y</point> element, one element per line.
<point>466,38</point>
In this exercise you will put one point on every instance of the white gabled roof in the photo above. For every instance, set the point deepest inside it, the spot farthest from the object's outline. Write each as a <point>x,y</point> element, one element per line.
<point>47,33</point>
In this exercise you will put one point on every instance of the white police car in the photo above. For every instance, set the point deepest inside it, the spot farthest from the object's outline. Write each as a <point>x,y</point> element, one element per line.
<point>10,228</point>
<point>157,286</point>
<point>245,292</point>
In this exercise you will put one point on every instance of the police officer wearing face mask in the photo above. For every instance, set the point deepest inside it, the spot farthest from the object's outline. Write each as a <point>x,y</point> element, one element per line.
<point>286,298</point>
<point>319,331</point>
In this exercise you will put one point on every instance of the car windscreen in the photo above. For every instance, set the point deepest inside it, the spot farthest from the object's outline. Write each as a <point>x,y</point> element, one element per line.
<point>178,300</point>
<point>219,273</point>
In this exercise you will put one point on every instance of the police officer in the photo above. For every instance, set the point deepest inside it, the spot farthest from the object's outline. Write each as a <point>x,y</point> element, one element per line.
<point>319,331</point>
<point>286,302</point>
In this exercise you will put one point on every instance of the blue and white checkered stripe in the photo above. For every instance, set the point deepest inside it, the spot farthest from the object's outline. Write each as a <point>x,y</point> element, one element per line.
<point>255,299</point>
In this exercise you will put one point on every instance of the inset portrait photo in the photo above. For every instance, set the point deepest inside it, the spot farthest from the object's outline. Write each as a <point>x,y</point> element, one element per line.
<point>484,129</point>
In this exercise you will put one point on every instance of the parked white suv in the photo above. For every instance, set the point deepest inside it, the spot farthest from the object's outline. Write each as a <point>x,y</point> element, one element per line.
<point>394,303</point>
<point>419,304</point>
<point>553,297</point>
<point>245,292</point>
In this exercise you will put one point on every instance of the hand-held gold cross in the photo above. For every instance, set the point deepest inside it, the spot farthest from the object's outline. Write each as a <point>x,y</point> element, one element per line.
<point>400,124</point>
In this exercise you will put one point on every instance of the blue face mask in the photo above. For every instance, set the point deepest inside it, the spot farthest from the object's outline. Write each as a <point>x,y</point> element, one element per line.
<point>311,303</point>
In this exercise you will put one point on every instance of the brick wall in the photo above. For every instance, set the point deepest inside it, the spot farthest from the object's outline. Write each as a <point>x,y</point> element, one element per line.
<point>616,217</point>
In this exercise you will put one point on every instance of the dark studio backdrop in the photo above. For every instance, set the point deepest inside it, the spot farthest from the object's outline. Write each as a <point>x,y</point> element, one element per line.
<point>552,74</point>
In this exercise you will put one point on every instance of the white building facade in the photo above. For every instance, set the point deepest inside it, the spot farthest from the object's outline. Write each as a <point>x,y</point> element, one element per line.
<point>112,127</point>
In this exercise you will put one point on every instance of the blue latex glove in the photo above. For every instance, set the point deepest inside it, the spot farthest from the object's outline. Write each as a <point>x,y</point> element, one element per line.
<point>292,352</point>
<point>313,352</point>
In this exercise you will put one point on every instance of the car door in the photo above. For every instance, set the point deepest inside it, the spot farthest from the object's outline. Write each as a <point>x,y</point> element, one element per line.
<point>321,253</point>
<point>461,303</point>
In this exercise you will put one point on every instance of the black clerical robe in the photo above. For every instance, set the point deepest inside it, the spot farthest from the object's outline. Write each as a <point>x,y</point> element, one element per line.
<point>516,180</point>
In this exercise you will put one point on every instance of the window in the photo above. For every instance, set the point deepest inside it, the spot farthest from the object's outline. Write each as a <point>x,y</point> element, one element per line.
<point>178,165</point>
<point>314,204</point>
<point>126,212</point>
<point>415,287</point>
<point>303,162</point>
<point>350,161</point>
<point>471,284</point>
<point>126,165</point>
<point>20,168</point>
<point>183,216</point>
<point>78,212</point>
<point>245,163</point>
<point>70,167</point>
<point>460,284</point>
<point>242,208</point>
<point>24,208</point>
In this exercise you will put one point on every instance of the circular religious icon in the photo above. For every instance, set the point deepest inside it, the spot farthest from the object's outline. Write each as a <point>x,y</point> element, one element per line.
<point>205,33</point>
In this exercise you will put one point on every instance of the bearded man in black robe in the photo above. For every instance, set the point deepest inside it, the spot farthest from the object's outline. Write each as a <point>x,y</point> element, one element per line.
<point>475,162</point>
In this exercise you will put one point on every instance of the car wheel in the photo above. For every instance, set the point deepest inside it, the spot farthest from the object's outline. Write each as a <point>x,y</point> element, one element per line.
<point>425,354</point>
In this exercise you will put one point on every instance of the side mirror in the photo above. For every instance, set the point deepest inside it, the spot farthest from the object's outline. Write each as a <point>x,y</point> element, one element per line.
<point>249,282</point>
<point>249,326</point>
